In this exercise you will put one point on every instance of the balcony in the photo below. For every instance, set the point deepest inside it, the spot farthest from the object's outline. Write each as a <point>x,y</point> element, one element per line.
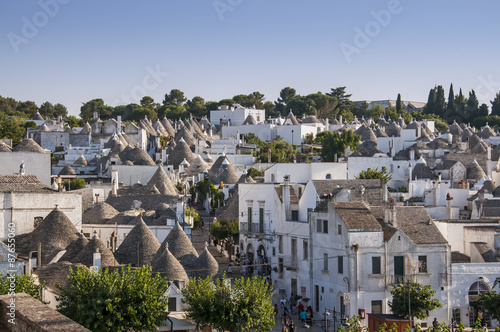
<point>254,229</point>
<point>393,280</point>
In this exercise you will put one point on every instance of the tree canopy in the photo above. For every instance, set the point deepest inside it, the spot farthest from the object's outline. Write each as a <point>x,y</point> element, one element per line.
<point>421,300</point>
<point>121,300</point>
<point>244,305</point>
<point>369,173</point>
<point>490,301</point>
<point>335,143</point>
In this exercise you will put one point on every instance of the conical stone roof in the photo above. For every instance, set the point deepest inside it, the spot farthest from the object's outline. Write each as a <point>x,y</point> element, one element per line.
<point>169,267</point>
<point>205,265</point>
<point>393,129</point>
<point>380,133</point>
<point>291,119</point>
<point>28,145</point>
<point>4,147</point>
<point>168,127</point>
<point>81,161</point>
<point>137,156</point>
<point>38,116</point>
<point>99,214</point>
<point>180,152</point>
<point>179,245</point>
<point>140,238</point>
<point>86,256</point>
<point>67,170</point>
<point>74,249</point>
<point>55,232</point>
<point>162,182</point>
<point>185,134</point>
<point>198,165</point>
<point>223,171</point>
<point>475,172</point>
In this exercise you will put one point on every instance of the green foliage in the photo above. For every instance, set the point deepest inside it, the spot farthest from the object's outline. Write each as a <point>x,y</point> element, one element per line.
<point>12,128</point>
<point>173,112</point>
<point>222,229</point>
<point>495,105</point>
<point>196,107</point>
<point>281,151</point>
<point>74,184</point>
<point>336,142</point>
<point>23,283</point>
<point>192,212</point>
<point>369,173</point>
<point>399,104</point>
<point>175,97</point>
<point>255,173</point>
<point>439,123</point>
<point>122,300</point>
<point>354,325</point>
<point>490,301</point>
<point>421,297</point>
<point>95,105</point>
<point>73,121</point>
<point>245,305</point>
<point>203,189</point>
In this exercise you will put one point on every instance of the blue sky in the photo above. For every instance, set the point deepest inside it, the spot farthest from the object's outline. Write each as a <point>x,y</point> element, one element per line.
<point>119,50</point>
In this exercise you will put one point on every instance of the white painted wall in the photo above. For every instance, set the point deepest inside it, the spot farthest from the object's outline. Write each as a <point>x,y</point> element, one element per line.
<point>36,164</point>
<point>303,172</point>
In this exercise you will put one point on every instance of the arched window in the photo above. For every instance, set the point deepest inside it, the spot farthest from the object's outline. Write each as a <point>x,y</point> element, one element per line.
<point>328,176</point>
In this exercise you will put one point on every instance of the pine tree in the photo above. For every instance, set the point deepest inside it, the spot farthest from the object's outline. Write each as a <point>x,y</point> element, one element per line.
<point>495,105</point>
<point>399,105</point>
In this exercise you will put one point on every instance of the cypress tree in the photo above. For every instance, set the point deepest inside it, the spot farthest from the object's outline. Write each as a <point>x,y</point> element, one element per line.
<point>450,107</point>
<point>460,106</point>
<point>495,105</point>
<point>439,106</point>
<point>429,107</point>
<point>472,105</point>
<point>399,105</point>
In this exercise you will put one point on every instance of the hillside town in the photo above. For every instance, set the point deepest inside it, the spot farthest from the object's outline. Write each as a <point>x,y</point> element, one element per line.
<point>333,228</point>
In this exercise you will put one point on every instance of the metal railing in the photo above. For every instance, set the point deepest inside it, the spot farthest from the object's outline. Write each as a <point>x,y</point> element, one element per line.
<point>254,228</point>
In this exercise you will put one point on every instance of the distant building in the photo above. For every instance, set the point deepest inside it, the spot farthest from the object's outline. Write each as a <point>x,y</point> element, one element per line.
<point>237,115</point>
<point>409,106</point>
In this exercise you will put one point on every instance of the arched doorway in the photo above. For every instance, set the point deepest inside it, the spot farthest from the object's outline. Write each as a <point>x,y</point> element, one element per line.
<point>475,310</point>
<point>250,253</point>
<point>263,268</point>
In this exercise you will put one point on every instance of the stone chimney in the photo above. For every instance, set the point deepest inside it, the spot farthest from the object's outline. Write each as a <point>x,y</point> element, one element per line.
<point>386,203</point>
<point>412,154</point>
<point>448,205</point>
<point>394,214</point>
<point>179,211</point>
<point>119,124</point>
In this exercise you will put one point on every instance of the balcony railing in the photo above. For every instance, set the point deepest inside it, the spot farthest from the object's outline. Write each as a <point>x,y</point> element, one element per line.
<point>254,228</point>
<point>397,279</point>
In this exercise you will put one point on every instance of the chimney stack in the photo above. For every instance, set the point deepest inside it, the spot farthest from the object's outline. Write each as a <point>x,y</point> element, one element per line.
<point>96,259</point>
<point>394,214</point>
<point>39,255</point>
<point>385,204</point>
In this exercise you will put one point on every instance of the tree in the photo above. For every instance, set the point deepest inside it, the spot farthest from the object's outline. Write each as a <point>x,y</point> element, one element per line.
<point>440,103</point>
<point>202,189</point>
<point>245,305</point>
<point>23,283</point>
<point>344,103</point>
<point>399,104</point>
<point>269,108</point>
<point>325,106</point>
<point>256,99</point>
<point>377,111</point>
<point>336,143</point>
<point>196,106</point>
<point>74,184</point>
<point>420,299</point>
<point>490,301</point>
<point>47,110</point>
<point>175,97</point>
<point>375,174</point>
<point>495,105</point>
<point>227,102</point>
<point>460,103</point>
<point>431,100</point>
<point>472,107</point>
<point>148,102</point>
<point>95,105</point>
<point>483,110</point>
<point>60,110</point>
<point>73,121</point>
<point>450,107</point>
<point>173,112</point>
<point>12,128</point>
<point>121,300</point>
<point>222,229</point>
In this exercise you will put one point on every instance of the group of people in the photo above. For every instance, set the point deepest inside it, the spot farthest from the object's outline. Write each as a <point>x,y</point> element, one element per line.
<point>289,309</point>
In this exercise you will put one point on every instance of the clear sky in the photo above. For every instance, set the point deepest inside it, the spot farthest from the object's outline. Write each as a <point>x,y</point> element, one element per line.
<point>72,51</point>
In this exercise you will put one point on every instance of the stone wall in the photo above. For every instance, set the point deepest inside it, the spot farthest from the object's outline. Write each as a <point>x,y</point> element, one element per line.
<point>34,316</point>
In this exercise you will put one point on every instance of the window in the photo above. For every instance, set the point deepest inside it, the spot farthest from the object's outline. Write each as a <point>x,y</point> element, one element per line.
<point>328,176</point>
<point>341,264</point>
<point>339,229</point>
<point>249,214</point>
<point>280,267</point>
<point>305,246</point>
<point>325,262</point>
<point>377,307</point>
<point>37,221</point>
<point>322,226</point>
<point>300,191</point>
<point>376,265</point>
<point>295,215</point>
<point>280,244</point>
<point>274,251</point>
<point>172,304</point>
<point>422,264</point>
